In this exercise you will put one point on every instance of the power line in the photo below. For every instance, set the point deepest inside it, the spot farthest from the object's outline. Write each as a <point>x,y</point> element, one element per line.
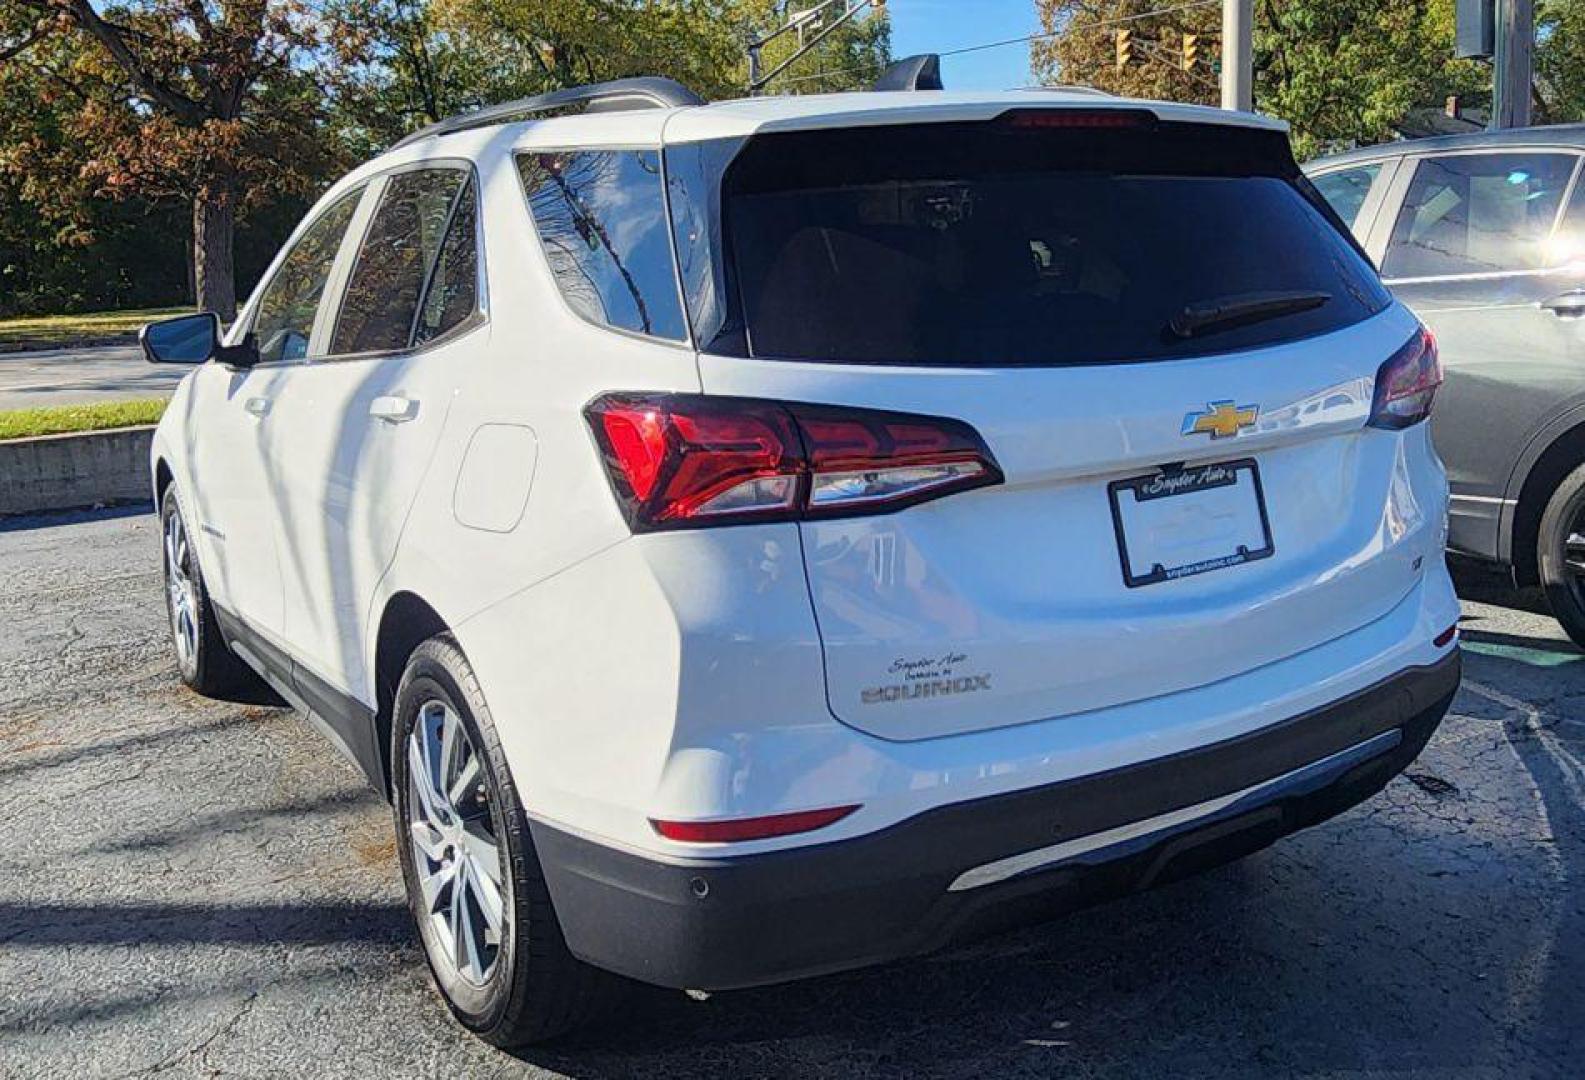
<point>1099,24</point>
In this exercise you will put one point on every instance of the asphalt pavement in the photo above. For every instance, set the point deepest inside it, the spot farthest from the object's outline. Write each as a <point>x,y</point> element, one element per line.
<point>198,888</point>
<point>51,377</point>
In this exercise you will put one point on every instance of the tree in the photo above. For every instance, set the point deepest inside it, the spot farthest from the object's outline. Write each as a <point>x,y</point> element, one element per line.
<point>701,43</point>
<point>1341,72</point>
<point>206,101</point>
<point>1560,62</point>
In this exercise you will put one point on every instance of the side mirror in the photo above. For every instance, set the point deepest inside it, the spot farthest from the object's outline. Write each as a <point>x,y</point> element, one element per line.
<point>194,339</point>
<point>188,339</point>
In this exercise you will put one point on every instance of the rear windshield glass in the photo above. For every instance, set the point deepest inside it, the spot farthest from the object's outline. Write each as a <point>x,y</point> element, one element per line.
<point>997,244</point>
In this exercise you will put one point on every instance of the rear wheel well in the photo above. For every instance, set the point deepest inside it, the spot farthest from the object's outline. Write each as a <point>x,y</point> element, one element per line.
<point>1556,462</point>
<point>406,623</point>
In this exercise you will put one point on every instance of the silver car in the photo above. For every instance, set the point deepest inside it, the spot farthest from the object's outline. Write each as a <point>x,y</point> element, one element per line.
<point>1484,237</point>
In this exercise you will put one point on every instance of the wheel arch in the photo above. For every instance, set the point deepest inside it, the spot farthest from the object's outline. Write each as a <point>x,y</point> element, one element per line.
<point>163,478</point>
<point>1562,455</point>
<point>406,622</point>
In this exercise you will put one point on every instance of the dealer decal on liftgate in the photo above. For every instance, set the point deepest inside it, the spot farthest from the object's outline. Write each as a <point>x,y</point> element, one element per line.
<point>926,677</point>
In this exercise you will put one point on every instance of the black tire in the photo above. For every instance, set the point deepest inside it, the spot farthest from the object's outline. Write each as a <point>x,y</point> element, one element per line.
<point>208,666</point>
<point>1565,587</point>
<point>535,989</point>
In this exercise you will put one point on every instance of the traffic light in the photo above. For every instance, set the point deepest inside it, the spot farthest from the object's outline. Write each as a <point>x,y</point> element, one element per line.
<point>1191,51</point>
<point>1125,48</point>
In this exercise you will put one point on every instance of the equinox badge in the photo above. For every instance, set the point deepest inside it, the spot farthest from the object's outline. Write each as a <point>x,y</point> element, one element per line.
<point>1220,420</point>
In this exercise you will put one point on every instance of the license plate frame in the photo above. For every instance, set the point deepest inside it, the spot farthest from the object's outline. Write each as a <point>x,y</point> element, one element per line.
<point>1179,482</point>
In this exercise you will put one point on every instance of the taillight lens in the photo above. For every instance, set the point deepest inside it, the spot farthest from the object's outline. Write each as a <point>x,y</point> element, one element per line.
<point>686,460</point>
<point>1406,384</point>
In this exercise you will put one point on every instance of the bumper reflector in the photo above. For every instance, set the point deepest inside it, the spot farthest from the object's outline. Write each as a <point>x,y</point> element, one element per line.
<point>1445,636</point>
<point>755,828</point>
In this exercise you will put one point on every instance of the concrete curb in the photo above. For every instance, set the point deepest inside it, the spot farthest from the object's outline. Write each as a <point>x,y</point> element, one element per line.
<point>65,472</point>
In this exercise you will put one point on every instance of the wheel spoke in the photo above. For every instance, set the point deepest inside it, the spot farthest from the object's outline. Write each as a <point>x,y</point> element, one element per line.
<point>464,951</point>
<point>486,856</point>
<point>432,885</point>
<point>450,747</point>
<point>462,787</point>
<point>419,783</point>
<point>428,840</point>
<point>487,892</point>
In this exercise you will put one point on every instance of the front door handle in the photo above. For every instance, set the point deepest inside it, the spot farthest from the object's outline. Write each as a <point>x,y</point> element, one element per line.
<point>257,406</point>
<point>393,409</point>
<point>1569,305</point>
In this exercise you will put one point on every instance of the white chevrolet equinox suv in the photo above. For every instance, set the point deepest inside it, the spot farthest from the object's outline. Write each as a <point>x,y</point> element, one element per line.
<point>750,540</point>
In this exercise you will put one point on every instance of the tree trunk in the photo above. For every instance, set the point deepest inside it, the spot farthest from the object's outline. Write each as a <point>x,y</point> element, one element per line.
<point>214,228</point>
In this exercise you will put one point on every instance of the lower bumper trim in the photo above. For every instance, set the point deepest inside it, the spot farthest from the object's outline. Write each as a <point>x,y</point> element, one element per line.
<point>962,870</point>
<point>1100,847</point>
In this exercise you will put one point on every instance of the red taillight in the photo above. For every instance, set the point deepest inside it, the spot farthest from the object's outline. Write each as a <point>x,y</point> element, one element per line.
<point>1406,384</point>
<point>1076,119</point>
<point>756,828</point>
<point>684,460</point>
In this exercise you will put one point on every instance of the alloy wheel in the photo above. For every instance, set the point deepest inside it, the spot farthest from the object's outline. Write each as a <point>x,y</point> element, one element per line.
<point>180,593</point>
<point>456,853</point>
<point>1574,557</point>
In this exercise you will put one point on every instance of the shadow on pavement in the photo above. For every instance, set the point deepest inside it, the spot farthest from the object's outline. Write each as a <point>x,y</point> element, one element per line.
<point>70,925</point>
<point>52,518</point>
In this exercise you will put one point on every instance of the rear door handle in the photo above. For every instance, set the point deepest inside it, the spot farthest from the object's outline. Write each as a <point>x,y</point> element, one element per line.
<point>257,406</point>
<point>1569,305</point>
<point>393,409</point>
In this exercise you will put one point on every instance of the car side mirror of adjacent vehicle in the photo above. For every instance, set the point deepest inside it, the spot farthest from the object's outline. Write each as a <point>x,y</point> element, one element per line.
<point>1568,305</point>
<point>195,339</point>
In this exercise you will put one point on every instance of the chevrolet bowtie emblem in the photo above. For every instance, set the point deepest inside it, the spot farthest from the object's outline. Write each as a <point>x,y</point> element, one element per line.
<point>1220,420</point>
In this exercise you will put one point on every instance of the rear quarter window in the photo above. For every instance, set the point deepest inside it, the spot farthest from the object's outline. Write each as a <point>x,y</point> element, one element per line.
<point>601,218</point>
<point>1346,189</point>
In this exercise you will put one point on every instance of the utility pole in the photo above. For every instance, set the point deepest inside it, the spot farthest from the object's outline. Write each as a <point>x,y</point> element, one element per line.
<point>810,20</point>
<point>1238,55</point>
<point>1511,72</point>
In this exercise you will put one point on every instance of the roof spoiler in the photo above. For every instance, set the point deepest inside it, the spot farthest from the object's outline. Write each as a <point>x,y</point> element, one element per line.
<point>615,96</point>
<point>922,72</point>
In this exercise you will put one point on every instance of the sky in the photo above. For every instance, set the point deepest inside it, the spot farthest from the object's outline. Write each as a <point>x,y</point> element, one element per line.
<point>938,26</point>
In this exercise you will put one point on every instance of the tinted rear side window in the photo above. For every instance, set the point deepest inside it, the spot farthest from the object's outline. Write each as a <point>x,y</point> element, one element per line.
<point>1477,214</point>
<point>999,245</point>
<point>383,294</point>
<point>1346,190</point>
<point>453,290</point>
<point>601,216</point>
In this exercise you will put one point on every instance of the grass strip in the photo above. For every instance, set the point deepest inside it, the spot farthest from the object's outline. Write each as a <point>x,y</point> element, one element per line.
<point>66,419</point>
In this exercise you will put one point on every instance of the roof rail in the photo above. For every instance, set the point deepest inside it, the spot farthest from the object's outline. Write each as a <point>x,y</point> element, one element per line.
<point>648,92</point>
<point>922,72</point>
<point>1068,88</point>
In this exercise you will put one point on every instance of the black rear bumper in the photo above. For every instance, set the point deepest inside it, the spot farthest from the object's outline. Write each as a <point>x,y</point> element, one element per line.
<point>723,923</point>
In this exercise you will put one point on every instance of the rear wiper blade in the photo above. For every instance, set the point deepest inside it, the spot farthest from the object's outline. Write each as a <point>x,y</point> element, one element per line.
<point>1240,309</point>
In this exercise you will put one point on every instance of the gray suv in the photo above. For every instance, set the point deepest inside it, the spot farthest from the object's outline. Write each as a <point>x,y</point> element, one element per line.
<point>1484,237</point>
